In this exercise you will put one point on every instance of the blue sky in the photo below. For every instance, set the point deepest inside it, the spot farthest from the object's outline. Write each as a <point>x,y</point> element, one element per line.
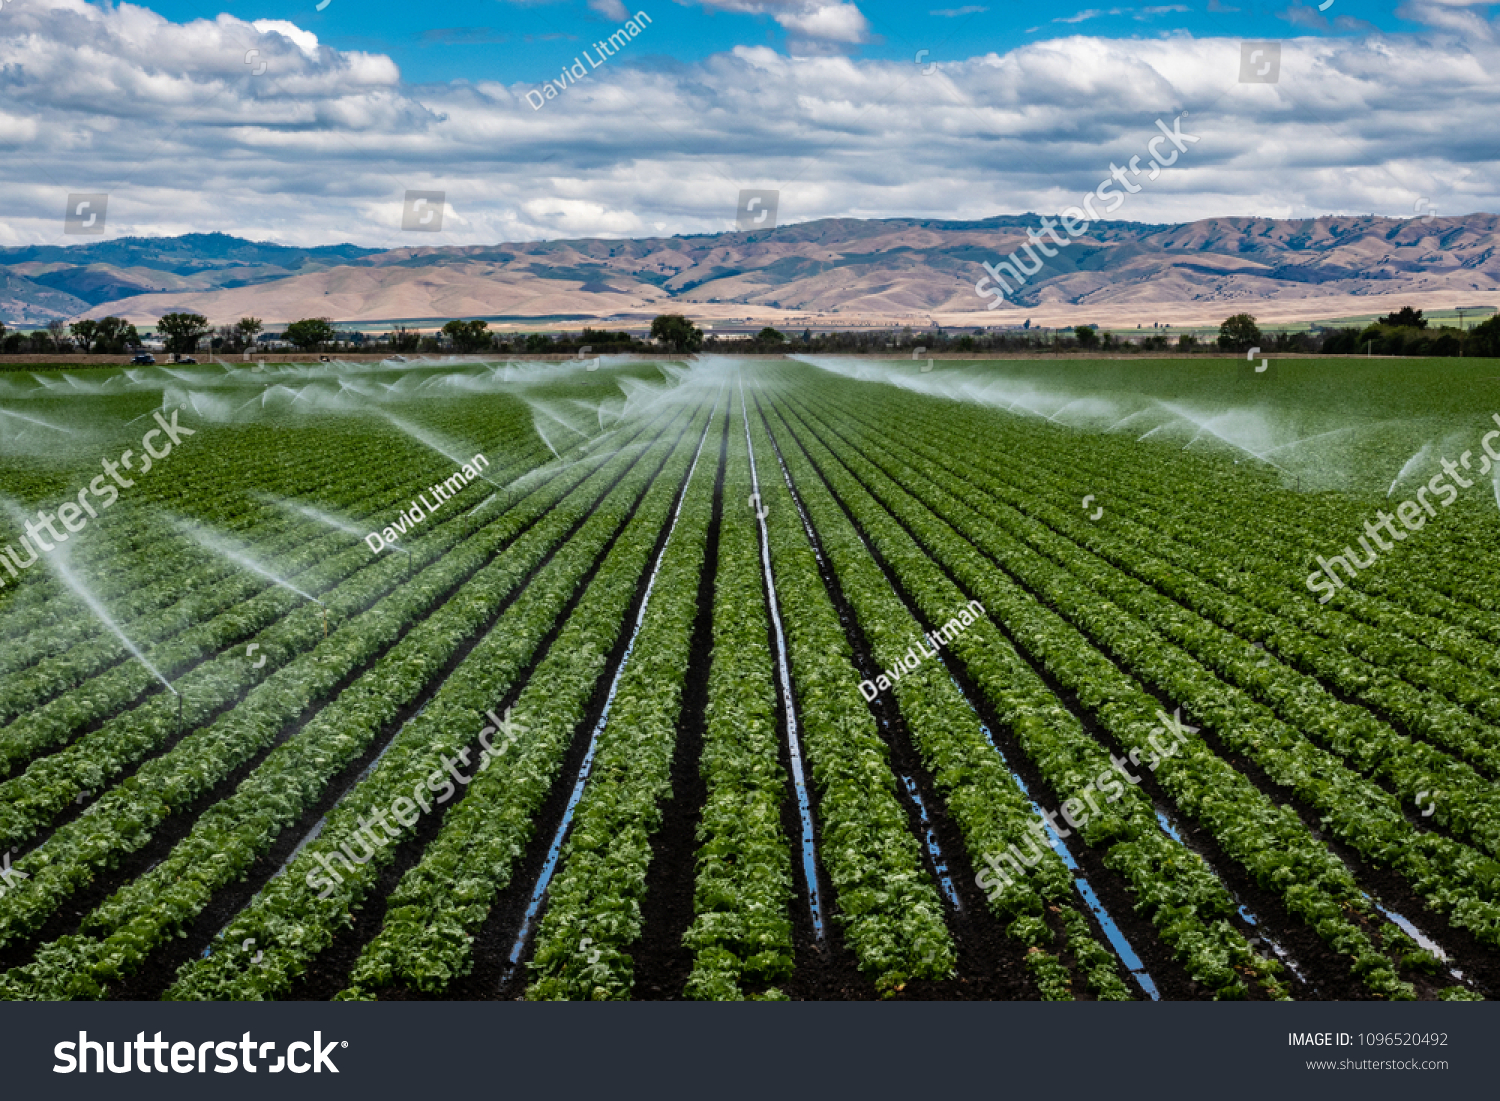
<point>508,41</point>
<point>273,120</point>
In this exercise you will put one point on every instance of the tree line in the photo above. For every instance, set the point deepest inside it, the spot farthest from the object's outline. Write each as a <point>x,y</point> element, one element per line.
<point>1404,332</point>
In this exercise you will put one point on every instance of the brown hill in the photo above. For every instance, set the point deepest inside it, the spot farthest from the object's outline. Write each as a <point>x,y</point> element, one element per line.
<point>882,272</point>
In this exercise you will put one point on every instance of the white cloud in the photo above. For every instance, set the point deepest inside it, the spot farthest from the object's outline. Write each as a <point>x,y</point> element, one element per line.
<point>814,19</point>
<point>834,22</point>
<point>171,121</point>
<point>610,9</point>
<point>305,41</point>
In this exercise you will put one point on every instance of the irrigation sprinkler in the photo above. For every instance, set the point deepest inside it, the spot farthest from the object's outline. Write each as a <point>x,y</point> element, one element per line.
<point>405,551</point>
<point>324,608</point>
<point>179,705</point>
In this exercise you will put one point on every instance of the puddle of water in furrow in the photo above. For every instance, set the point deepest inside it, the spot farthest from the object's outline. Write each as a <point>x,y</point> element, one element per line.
<point>1400,920</point>
<point>539,893</point>
<point>784,684</point>
<point>935,850</point>
<point>1411,930</point>
<point>1170,828</point>
<point>1112,930</point>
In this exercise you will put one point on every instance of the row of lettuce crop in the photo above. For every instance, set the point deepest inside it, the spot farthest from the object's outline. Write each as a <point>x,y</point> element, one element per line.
<point>330,462</point>
<point>1453,878</point>
<point>1236,652</point>
<point>741,934</point>
<point>175,637</point>
<point>294,647</point>
<point>1060,626</point>
<point>1173,888</point>
<point>483,572</point>
<point>1386,641</point>
<point>886,902</point>
<point>440,904</point>
<point>593,916</point>
<point>984,800</point>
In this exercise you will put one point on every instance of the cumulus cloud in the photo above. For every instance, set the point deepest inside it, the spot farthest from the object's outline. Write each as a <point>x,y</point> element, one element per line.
<point>176,124</point>
<point>838,21</point>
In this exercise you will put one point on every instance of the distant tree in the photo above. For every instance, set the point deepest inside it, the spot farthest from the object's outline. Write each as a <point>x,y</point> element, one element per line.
<point>1086,335</point>
<point>469,336</point>
<point>539,343</point>
<point>1447,344</point>
<point>1405,318</point>
<point>248,328</point>
<point>404,340</point>
<point>55,329</point>
<point>182,331</point>
<point>1484,338</point>
<point>770,336</point>
<point>1187,342</point>
<point>116,334</point>
<point>310,333</point>
<point>113,335</point>
<point>1340,341</point>
<point>84,333</point>
<point>677,333</point>
<point>1238,333</point>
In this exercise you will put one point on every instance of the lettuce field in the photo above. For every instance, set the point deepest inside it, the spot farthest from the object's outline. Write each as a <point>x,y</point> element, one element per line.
<point>781,678</point>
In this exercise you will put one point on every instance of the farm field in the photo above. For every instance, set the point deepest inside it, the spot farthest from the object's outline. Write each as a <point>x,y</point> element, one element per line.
<point>814,678</point>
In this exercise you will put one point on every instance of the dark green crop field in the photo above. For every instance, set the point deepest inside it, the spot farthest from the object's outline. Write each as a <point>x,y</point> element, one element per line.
<point>723,679</point>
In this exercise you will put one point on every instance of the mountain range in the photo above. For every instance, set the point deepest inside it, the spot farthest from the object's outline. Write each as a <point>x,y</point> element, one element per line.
<point>840,271</point>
